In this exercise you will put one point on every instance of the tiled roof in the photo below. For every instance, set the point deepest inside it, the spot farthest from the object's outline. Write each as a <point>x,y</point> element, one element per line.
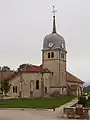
<point>36,69</point>
<point>31,69</point>
<point>72,78</point>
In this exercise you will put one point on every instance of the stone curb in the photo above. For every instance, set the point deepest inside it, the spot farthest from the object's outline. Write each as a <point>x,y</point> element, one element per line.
<point>25,109</point>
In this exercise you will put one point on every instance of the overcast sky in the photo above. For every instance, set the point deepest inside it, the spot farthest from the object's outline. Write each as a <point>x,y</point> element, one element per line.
<point>24,24</point>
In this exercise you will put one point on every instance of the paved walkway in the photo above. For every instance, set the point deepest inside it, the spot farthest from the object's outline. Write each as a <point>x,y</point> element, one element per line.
<point>9,114</point>
<point>59,111</point>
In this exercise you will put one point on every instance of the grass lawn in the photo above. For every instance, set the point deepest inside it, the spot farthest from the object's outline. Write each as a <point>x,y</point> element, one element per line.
<point>36,103</point>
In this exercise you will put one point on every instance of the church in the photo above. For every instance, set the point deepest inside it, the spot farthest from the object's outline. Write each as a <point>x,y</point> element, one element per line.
<point>51,77</point>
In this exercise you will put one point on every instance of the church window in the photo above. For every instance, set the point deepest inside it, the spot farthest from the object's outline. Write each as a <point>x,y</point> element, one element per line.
<point>49,55</point>
<point>52,54</point>
<point>45,89</point>
<point>37,84</point>
<point>52,73</point>
<point>14,89</point>
<point>62,55</point>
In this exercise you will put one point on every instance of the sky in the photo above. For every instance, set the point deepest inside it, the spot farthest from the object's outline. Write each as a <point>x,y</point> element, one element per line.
<point>25,23</point>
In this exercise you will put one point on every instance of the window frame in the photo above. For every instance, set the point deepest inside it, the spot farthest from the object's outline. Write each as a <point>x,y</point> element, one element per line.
<point>37,84</point>
<point>52,54</point>
<point>52,73</point>
<point>14,89</point>
<point>49,55</point>
<point>62,55</point>
<point>45,89</point>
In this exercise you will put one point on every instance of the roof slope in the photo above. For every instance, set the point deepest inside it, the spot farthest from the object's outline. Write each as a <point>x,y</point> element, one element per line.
<point>36,69</point>
<point>72,78</point>
<point>30,69</point>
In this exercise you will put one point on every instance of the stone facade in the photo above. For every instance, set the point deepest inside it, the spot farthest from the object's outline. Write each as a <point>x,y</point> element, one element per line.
<point>75,85</point>
<point>56,65</point>
<point>26,85</point>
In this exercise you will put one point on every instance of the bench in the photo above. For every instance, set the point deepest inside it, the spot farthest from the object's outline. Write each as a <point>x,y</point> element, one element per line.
<point>76,113</point>
<point>69,112</point>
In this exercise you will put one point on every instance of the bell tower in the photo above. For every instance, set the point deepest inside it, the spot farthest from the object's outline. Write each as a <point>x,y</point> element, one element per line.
<point>54,58</point>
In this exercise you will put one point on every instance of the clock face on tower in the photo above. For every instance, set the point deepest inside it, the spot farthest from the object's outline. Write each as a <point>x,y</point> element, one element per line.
<point>50,44</point>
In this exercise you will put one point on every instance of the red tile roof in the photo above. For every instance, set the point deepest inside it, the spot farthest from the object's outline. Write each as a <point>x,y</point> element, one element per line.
<point>34,69</point>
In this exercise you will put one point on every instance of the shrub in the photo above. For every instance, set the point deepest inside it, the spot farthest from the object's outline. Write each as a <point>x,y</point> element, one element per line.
<point>82,100</point>
<point>55,93</point>
<point>88,97</point>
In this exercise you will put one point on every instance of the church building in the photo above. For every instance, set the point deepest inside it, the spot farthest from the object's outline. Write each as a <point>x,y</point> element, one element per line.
<point>51,77</point>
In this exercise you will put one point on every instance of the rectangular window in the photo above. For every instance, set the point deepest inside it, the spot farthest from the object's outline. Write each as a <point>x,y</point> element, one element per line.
<point>52,73</point>
<point>62,55</point>
<point>49,55</point>
<point>14,89</point>
<point>37,84</point>
<point>52,54</point>
<point>45,89</point>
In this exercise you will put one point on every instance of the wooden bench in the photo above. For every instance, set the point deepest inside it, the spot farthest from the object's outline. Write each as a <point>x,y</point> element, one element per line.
<point>69,112</point>
<point>74,113</point>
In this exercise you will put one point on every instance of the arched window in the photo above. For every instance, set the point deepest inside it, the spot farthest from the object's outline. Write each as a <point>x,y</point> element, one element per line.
<point>37,84</point>
<point>49,55</point>
<point>52,54</point>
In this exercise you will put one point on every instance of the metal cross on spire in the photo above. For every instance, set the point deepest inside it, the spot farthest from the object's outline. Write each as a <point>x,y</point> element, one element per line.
<point>54,11</point>
<point>54,25</point>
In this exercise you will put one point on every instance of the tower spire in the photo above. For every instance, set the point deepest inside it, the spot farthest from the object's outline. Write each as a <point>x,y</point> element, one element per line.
<point>54,24</point>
